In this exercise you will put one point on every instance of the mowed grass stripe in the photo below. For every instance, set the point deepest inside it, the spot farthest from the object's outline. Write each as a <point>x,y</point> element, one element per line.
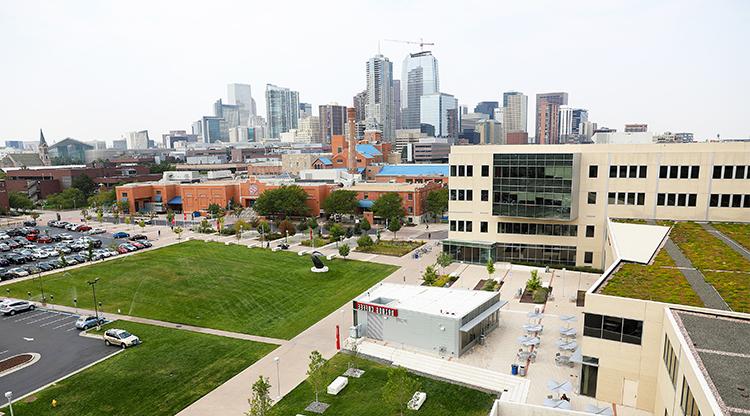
<point>212,285</point>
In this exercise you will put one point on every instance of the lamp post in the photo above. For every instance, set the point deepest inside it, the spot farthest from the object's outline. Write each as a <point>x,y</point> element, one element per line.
<point>278,379</point>
<point>92,283</point>
<point>41,287</point>
<point>9,396</point>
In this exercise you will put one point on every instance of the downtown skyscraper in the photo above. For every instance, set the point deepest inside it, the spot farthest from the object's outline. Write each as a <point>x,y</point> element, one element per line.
<point>548,116</point>
<point>515,111</point>
<point>419,77</point>
<point>282,110</point>
<point>379,112</point>
<point>241,96</point>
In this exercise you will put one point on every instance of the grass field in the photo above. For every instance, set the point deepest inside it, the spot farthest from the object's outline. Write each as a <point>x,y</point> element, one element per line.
<point>740,233</point>
<point>391,247</point>
<point>706,251</point>
<point>657,282</point>
<point>232,288</point>
<point>162,376</point>
<point>363,396</point>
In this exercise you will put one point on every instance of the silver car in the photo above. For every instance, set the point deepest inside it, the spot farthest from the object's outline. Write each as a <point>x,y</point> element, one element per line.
<point>14,307</point>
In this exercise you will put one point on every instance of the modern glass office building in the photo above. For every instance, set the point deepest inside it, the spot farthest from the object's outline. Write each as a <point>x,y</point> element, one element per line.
<point>419,77</point>
<point>282,110</point>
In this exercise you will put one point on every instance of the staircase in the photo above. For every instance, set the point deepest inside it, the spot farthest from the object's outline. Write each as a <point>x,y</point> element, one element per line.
<point>512,388</point>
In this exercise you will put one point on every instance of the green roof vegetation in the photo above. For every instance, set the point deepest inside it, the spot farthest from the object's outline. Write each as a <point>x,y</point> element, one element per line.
<point>740,233</point>
<point>660,282</point>
<point>364,395</point>
<point>232,288</point>
<point>169,371</point>
<point>706,251</point>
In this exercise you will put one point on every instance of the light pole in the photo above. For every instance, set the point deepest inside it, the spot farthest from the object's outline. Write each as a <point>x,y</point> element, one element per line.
<point>41,287</point>
<point>9,396</point>
<point>92,283</point>
<point>278,379</point>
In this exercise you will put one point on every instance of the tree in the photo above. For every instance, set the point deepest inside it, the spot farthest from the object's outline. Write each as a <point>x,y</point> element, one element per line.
<point>237,210</point>
<point>490,267</point>
<point>34,215</point>
<point>284,201</point>
<point>204,227</point>
<point>239,227</point>
<point>142,224</point>
<point>67,199</point>
<point>344,250</point>
<point>312,223</point>
<point>430,275</point>
<point>84,184</point>
<point>316,374</point>
<point>263,228</point>
<point>394,225</point>
<point>260,402</point>
<point>19,200</point>
<point>161,167</point>
<point>340,202</point>
<point>102,199</point>
<point>285,227</point>
<point>178,231</point>
<point>365,225</point>
<point>444,260</point>
<point>389,206</point>
<point>99,214</point>
<point>220,224</point>
<point>399,389</point>
<point>437,202</point>
<point>90,252</point>
<point>365,241</point>
<point>214,209</point>
<point>170,216</point>
<point>336,231</point>
<point>533,283</point>
<point>128,220</point>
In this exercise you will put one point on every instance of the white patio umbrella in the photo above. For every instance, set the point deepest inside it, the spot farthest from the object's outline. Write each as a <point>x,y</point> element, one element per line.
<point>557,404</point>
<point>577,356</point>
<point>528,341</point>
<point>568,319</point>
<point>559,387</point>
<point>606,410</point>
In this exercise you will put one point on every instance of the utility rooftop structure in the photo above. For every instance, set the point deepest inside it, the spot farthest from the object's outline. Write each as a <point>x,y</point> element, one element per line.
<point>441,320</point>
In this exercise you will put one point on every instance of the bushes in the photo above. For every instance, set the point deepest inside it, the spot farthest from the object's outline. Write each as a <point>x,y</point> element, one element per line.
<point>365,241</point>
<point>489,285</point>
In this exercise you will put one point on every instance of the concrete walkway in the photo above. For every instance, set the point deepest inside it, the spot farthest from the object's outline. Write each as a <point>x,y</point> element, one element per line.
<point>742,251</point>
<point>164,324</point>
<point>705,291</point>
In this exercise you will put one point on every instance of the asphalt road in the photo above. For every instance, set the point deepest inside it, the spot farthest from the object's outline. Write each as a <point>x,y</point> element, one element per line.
<point>52,335</point>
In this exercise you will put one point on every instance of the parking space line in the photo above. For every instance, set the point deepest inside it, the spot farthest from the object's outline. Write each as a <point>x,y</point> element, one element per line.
<point>56,320</point>
<point>65,324</point>
<point>3,352</point>
<point>30,316</point>
<point>70,329</point>
<point>40,319</point>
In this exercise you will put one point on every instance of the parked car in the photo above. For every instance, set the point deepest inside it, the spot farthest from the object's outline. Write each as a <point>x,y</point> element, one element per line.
<point>146,243</point>
<point>138,237</point>
<point>86,322</point>
<point>18,272</point>
<point>32,237</point>
<point>31,223</point>
<point>137,245</point>
<point>66,236</point>
<point>120,338</point>
<point>4,236</point>
<point>122,250</point>
<point>83,228</point>
<point>14,307</point>
<point>4,247</point>
<point>4,262</point>
<point>96,231</point>
<point>45,267</point>
<point>45,239</point>
<point>51,223</point>
<point>120,234</point>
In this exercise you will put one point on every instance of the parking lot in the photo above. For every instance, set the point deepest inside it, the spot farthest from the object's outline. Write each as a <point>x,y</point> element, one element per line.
<point>51,252</point>
<point>54,337</point>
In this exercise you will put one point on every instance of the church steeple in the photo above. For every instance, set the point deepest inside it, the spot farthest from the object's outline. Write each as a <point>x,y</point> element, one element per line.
<point>43,149</point>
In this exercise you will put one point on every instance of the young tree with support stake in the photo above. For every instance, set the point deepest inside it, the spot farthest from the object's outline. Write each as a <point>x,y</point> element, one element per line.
<point>394,225</point>
<point>178,230</point>
<point>399,389</point>
<point>444,260</point>
<point>260,402</point>
<point>316,374</point>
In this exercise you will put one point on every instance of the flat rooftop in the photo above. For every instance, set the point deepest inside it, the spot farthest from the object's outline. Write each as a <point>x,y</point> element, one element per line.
<point>721,345</point>
<point>454,303</point>
<point>384,187</point>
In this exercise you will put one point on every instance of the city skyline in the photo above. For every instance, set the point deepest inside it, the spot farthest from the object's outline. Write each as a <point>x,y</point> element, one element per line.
<point>99,71</point>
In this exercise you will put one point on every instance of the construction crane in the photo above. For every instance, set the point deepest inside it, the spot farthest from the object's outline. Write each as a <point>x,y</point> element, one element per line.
<point>421,42</point>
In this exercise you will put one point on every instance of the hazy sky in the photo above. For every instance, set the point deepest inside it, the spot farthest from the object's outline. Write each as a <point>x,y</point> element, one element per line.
<point>97,69</point>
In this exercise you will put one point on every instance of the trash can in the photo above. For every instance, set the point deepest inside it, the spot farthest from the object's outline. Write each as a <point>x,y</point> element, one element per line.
<point>522,370</point>
<point>514,369</point>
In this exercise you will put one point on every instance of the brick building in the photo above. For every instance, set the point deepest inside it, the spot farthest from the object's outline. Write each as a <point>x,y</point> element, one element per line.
<point>413,196</point>
<point>412,173</point>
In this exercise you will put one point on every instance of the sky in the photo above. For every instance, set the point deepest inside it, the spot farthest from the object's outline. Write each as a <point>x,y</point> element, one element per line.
<point>94,70</point>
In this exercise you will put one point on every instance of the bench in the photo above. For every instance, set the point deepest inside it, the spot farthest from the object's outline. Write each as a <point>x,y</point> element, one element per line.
<point>276,249</point>
<point>301,253</point>
<point>417,400</point>
<point>330,257</point>
<point>337,385</point>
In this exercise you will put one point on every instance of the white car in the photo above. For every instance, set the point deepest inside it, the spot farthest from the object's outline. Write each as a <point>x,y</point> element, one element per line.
<point>120,338</point>
<point>19,272</point>
<point>96,231</point>
<point>40,254</point>
<point>13,307</point>
<point>66,236</point>
<point>4,236</point>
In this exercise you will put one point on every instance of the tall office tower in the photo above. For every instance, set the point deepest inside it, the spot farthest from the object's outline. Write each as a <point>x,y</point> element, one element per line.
<point>208,128</point>
<point>547,116</point>
<point>487,107</point>
<point>360,101</point>
<point>396,105</point>
<point>241,96</point>
<point>419,77</point>
<point>305,110</point>
<point>515,110</point>
<point>565,117</point>
<point>230,117</point>
<point>580,116</point>
<point>379,107</point>
<point>439,114</point>
<point>332,121</point>
<point>282,110</point>
<point>490,131</point>
<point>636,128</point>
<point>259,127</point>
<point>308,129</point>
<point>138,139</point>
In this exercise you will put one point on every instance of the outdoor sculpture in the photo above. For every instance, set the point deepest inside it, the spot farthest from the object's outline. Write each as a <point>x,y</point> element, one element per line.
<point>318,266</point>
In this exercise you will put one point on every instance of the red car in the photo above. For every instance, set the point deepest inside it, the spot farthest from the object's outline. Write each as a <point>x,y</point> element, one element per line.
<point>32,237</point>
<point>83,227</point>
<point>137,245</point>
<point>44,239</point>
<point>122,250</point>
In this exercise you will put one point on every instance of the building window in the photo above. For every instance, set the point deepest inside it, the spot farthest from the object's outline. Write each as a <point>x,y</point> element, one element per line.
<point>461,170</point>
<point>453,170</point>
<point>593,171</point>
<point>673,172</point>
<point>469,195</point>
<point>684,172</point>
<point>483,227</point>
<point>469,170</point>
<point>485,170</point>
<point>643,172</point>
<point>559,230</point>
<point>461,195</point>
<point>460,226</point>
<point>410,209</point>
<point>714,200</point>
<point>592,198</point>
<point>692,199</point>
<point>453,225</point>
<point>485,194</point>
<point>468,226</point>
<point>590,232</point>
<point>728,172</point>
<point>717,172</point>
<point>663,172</point>
<point>623,171</point>
<point>124,194</point>
<point>641,198</point>
<point>633,172</point>
<point>611,198</point>
<point>613,171</point>
<point>629,331</point>
<point>739,173</point>
<point>671,200</point>
<point>695,172</point>
<point>660,198</point>
<point>410,197</point>
<point>670,360</point>
<point>687,401</point>
<point>453,194</point>
<point>725,200</point>
<point>592,325</point>
<point>588,257</point>
<point>631,198</point>
<point>736,201</point>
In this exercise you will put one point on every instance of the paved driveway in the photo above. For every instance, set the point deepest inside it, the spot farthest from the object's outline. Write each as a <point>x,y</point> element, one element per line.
<point>52,335</point>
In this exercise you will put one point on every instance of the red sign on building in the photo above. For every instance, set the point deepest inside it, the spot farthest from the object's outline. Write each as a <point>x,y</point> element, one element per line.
<point>381,310</point>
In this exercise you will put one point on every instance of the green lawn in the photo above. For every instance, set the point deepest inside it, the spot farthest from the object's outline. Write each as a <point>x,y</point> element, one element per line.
<point>391,247</point>
<point>162,376</point>
<point>657,282</point>
<point>706,251</point>
<point>363,396</point>
<point>740,233</point>
<point>232,288</point>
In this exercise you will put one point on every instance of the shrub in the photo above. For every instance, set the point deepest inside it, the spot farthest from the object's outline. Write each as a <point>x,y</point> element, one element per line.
<point>539,295</point>
<point>489,285</point>
<point>365,241</point>
<point>533,283</point>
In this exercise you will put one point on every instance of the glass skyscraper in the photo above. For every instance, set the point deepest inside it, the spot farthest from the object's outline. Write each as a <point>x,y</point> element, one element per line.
<point>420,77</point>
<point>379,112</point>
<point>282,110</point>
